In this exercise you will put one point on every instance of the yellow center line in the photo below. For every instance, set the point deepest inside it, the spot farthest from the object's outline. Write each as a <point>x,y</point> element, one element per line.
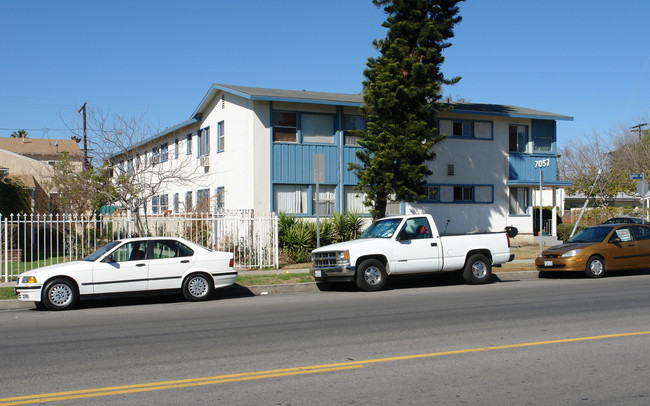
<point>247,376</point>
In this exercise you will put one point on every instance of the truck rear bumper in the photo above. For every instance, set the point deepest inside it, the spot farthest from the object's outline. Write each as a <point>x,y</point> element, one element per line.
<point>336,274</point>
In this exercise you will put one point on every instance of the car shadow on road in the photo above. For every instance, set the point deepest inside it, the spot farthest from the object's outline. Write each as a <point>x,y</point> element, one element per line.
<point>581,275</point>
<point>402,282</point>
<point>159,297</point>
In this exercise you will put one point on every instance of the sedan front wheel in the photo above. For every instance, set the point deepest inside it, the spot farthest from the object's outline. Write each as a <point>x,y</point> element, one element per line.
<point>59,294</point>
<point>595,267</point>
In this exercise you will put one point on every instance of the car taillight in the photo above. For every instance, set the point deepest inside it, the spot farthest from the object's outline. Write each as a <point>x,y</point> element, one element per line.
<point>508,238</point>
<point>232,262</point>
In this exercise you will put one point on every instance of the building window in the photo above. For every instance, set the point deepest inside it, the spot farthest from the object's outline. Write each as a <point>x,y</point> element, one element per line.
<point>352,123</point>
<point>221,134</point>
<point>518,201</point>
<point>203,200</point>
<point>206,141</point>
<point>188,142</point>
<point>354,200</point>
<point>159,204</point>
<point>290,199</point>
<point>176,202</point>
<point>176,148</point>
<point>188,202</point>
<point>317,128</point>
<point>155,204</point>
<point>164,152</point>
<point>433,193</point>
<point>326,199</point>
<point>154,155</point>
<point>221,198</point>
<point>466,128</point>
<point>543,143</point>
<point>285,128</point>
<point>463,193</point>
<point>518,138</point>
<point>164,204</point>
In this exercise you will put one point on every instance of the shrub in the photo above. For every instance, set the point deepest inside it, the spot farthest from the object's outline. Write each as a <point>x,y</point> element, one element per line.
<point>564,230</point>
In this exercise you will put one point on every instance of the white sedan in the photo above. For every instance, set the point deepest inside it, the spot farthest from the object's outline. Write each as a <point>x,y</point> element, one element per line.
<point>130,265</point>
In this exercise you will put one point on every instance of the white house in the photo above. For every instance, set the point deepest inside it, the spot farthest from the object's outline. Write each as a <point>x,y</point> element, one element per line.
<point>254,149</point>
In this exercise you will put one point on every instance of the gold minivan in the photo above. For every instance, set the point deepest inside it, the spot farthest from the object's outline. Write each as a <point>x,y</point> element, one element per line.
<point>601,248</point>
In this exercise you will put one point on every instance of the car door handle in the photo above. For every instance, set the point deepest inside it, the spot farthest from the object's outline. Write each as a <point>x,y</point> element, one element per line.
<point>185,261</point>
<point>434,244</point>
<point>140,264</point>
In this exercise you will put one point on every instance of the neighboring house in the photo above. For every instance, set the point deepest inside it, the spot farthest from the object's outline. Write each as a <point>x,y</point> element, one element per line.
<point>30,161</point>
<point>255,149</point>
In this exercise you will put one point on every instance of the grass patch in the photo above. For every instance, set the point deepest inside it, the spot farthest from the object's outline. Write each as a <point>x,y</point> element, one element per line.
<point>7,293</point>
<point>21,267</point>
<point>274,279</point>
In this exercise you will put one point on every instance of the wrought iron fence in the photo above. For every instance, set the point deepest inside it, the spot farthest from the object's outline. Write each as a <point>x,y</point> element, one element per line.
<point>28,241</point>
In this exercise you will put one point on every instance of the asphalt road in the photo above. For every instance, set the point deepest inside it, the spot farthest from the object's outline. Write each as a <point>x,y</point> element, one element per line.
<point>547,342</point>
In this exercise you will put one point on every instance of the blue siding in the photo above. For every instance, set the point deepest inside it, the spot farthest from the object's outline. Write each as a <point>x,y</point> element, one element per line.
<point>293,163</point>
<point>349,178</point>
<point>522,167</point>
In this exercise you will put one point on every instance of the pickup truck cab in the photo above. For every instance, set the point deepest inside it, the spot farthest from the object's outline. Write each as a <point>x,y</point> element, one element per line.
<point>411,244</point>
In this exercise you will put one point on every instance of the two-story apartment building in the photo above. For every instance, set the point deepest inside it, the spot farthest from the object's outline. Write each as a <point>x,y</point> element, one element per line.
<point>254,149</point>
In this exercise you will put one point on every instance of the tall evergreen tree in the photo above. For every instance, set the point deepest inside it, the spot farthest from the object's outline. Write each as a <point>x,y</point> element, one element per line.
<point>402,93</point>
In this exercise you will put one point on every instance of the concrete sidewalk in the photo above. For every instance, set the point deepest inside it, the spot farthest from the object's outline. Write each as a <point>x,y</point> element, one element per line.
<point>13,304</point>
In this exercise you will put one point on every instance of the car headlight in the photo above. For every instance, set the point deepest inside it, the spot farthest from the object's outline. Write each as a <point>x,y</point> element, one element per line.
<point>343,258</point>
<point>28,279</point>
<point>571,253</point>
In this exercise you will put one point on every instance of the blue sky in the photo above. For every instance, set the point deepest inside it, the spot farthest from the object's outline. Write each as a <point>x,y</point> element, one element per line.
<point>583,58</point>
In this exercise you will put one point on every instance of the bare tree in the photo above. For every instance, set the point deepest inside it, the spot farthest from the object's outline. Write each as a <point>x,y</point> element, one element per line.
<point>76,187</point>
<point>123,145</point>
<point>632,150</point>
<point>583,158</point>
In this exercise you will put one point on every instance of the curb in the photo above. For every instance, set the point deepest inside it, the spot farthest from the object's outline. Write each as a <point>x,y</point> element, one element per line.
<point>288,288</point>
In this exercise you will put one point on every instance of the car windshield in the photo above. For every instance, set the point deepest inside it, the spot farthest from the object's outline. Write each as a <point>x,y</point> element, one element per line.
<point>591,234</point>
<point>382,228</point>
<point>97,254</point>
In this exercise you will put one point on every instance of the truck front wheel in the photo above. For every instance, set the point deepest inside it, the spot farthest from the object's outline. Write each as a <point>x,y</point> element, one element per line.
<point>478,269</point>
<point>371,275</point>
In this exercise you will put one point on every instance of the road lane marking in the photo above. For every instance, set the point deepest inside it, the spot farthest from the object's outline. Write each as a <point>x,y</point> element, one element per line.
<point>247,376</point>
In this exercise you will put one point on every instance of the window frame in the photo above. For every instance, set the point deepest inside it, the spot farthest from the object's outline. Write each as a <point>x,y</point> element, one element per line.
<point>221,136</point>
<point>517,146</point>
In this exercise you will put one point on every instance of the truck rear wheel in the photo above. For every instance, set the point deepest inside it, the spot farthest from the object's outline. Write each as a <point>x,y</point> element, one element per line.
<point>371,275</point>
<point>478,270</point>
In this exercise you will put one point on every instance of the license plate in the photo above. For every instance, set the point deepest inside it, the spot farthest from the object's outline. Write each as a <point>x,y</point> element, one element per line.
<point>548,263</point>
<point>317,274</point>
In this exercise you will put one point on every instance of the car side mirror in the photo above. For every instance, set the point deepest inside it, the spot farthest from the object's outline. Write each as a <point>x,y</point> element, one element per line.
<point>614,240</point>
<point>402,236</point>
<point>109,259</point>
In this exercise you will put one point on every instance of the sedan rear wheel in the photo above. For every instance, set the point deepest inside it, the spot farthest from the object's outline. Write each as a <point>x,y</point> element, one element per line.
<point>197,287</point>
<point>595,267</point>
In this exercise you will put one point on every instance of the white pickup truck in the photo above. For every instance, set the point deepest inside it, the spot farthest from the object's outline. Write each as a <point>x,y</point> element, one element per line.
<point>410,244</point>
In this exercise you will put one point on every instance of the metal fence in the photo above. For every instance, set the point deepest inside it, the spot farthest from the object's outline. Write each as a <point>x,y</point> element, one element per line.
<point>28,241</point>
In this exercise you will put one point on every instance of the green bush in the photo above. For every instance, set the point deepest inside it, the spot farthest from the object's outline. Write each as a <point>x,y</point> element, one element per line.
<point>564,230</point>
<point>297,237</point>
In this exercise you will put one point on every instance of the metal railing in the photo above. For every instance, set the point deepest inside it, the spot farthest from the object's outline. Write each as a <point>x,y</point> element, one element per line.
<point>29,241</point>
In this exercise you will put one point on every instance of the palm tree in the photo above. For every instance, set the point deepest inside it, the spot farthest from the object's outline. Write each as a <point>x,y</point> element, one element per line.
<point>19,134</point>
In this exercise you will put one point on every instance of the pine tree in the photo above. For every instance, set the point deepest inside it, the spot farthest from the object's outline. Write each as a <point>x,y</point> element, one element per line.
<point>402,93</point>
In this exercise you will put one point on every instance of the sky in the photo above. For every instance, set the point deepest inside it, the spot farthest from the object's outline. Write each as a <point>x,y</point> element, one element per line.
<point>588,59</point>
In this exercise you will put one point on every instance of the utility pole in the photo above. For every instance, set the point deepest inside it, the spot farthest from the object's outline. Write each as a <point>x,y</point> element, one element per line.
<point>639,128</point>
<point>85,163</point>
